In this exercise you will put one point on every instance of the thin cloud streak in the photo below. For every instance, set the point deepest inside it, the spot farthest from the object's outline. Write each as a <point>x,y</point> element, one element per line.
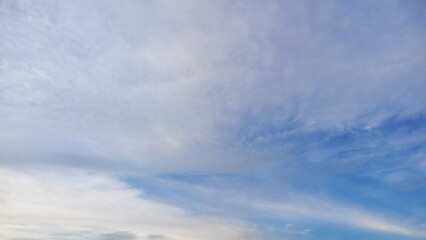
<point>329,211</point>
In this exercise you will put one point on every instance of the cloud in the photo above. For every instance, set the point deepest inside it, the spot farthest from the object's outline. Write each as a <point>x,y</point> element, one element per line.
<point>270,206</point>
<point>317,209</point>
<point>289,229</point>
<point>80,205</point>
<point>156,237</point>
<point>289,93</point>
<point>119,236</point>
<point>174,93</point>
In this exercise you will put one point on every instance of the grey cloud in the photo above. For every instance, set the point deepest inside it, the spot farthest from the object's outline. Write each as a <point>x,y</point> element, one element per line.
<point>122,235</point>
<point>157,237</point>
<point>24,239</point>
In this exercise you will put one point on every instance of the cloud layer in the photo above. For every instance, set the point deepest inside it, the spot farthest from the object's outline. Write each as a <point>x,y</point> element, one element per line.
<point>83,205</point>
<point>157,85</point>
<point>137,120</point>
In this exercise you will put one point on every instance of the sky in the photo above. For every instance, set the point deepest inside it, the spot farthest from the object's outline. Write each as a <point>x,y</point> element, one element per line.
<point>208,120</point>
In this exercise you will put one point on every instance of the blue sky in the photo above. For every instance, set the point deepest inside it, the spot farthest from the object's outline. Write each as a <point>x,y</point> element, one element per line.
<point>206,120</point>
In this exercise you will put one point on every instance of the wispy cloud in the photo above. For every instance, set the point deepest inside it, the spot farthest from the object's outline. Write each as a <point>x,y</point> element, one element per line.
<point>304,207</point>
<point>170,84</point>
<point>279,205</point>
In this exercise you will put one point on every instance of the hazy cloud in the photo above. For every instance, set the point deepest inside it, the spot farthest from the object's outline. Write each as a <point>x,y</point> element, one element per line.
<point>119,236</point>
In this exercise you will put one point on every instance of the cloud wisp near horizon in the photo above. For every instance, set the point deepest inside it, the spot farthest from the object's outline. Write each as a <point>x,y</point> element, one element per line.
<point>208,120</point>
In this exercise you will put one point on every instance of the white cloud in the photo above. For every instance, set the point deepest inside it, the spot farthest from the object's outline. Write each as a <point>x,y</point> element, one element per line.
<point>76,204</point>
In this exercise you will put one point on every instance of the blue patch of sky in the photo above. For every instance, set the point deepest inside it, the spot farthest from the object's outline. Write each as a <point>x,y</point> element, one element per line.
<point>358,166</point>
<point>185,190</point>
